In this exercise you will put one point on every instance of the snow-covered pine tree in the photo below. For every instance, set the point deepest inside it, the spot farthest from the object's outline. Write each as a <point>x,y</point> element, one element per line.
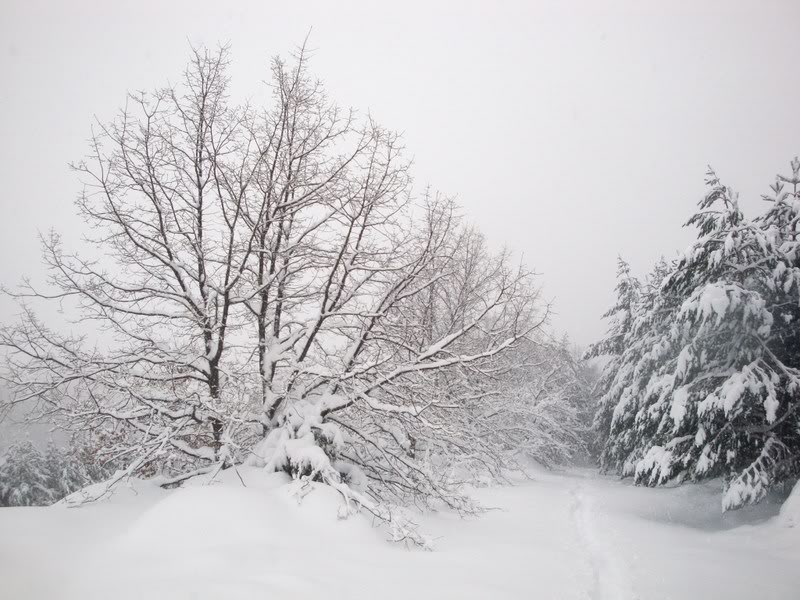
<point>641,362</point>
<point>30,477</point>
<point>708,385</point>
<point>620,318</point>
<point>25,478</point>
<point>771,452</point>
<point>65,473</point>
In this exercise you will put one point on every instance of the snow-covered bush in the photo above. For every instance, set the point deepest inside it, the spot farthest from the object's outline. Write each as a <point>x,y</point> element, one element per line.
<point>706,382</point>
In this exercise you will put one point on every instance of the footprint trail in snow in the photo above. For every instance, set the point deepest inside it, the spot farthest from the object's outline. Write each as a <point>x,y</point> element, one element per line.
<point>610,577</point>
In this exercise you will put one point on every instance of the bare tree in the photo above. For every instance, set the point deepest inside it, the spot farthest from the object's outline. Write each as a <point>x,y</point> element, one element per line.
<point>264,285</point>
<point>167,186</point>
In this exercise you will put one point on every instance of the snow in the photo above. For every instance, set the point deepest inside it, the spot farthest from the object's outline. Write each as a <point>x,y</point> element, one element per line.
<point>657,462</point>
<point>556,535</point>
<point>714,299</point>
<point>677,410</point>
<point>609,574</point>
<point>729,393</point>
<point>790,511</point>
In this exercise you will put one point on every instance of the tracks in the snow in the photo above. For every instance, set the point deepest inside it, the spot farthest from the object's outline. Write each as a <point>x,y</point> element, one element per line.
<point>609,573</point>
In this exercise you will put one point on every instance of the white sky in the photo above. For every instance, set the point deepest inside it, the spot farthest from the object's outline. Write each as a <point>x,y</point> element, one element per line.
<point>570,132</point>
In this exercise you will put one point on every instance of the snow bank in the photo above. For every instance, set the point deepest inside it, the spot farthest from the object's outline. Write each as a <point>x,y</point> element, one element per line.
<point>261,508</point>
<point>570,535</point>
<point>790,511</point>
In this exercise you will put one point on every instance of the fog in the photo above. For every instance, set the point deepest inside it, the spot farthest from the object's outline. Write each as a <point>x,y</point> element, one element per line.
<point>569,132</point>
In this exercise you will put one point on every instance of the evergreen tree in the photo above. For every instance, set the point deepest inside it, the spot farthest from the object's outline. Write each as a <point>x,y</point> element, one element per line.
<point>627,394</point>
<point>620,317</point>
<point>707,384</point>
<point>66,474</point>
<point>25,478</point>
<point>29,477</point>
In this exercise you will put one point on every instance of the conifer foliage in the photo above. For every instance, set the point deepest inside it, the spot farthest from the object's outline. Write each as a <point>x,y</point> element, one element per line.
<point>704,373</point>
<point>30,477</point>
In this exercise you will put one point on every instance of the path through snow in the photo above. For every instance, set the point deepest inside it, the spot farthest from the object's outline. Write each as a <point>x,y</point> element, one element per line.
<point>611,580</point>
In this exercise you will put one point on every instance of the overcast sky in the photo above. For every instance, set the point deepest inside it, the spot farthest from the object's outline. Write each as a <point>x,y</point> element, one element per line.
<point>570,132</point>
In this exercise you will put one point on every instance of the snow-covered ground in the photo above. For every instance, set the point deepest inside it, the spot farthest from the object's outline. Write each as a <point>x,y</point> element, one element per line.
<point>566,535</point>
